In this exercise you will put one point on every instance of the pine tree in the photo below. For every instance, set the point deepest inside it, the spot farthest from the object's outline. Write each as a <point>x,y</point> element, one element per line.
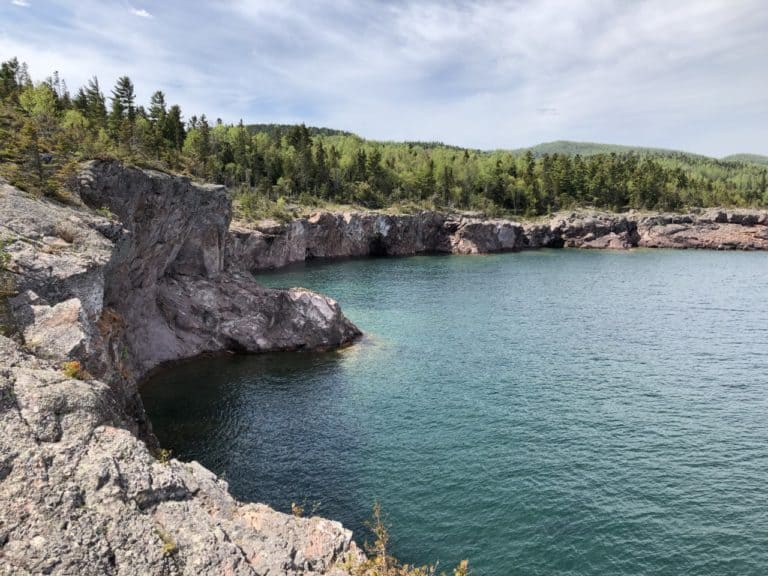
<point>123,112</point>
<point>91,102</point>
<point>9,79</point>
<point>174,128</point>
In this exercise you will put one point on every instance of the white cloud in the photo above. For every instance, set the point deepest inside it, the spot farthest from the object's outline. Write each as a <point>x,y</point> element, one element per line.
<point>22,3</point>
<point>482,73</point>
<point>141,13</point>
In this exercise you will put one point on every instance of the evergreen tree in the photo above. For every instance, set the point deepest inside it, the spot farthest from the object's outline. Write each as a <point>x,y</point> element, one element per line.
<point>123,112</point>
<point>174,128</point>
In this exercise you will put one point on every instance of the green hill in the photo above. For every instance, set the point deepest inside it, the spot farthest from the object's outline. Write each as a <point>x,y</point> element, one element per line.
<point>570,148</point>
<point>272,129</point>
<point>747,158</point>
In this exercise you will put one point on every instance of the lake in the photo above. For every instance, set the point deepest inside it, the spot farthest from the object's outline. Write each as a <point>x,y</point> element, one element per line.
<point>552,412</point>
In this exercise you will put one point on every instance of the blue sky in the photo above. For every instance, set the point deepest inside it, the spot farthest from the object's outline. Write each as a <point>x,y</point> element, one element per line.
<point>688,74</point>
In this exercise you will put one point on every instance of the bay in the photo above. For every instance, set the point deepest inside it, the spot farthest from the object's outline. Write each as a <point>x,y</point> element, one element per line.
<point>552,412</point>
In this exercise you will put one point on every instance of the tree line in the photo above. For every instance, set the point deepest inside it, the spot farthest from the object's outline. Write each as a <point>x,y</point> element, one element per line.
<point>46,131</point>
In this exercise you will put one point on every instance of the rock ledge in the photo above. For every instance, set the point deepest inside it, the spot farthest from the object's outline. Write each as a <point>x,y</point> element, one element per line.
<point>132,278</point>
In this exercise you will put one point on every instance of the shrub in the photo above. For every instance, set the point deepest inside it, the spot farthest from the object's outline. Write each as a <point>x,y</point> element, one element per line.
<point>297,509</point>
<point>73,369</point>
<point>300,509</point>
<point>169,544</point>
<point>163,455</point>
<point>5,258</point>
<point>253,205</point>
<point>381,563</point>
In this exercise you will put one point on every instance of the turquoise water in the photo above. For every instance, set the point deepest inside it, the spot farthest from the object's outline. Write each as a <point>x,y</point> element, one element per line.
<point>554,412</point>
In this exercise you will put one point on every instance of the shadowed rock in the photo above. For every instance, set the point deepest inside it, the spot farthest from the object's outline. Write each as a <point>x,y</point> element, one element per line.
<point>80,492</point>
<point>267,244</point>
<point>168,281</point>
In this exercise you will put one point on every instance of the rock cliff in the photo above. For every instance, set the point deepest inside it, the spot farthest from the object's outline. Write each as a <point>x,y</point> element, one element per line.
<point>267,244</point>
<point>132,278</point>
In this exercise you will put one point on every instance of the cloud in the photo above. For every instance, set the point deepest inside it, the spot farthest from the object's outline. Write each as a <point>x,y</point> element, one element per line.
<point>481,73</point>
<point>22,3</point>
<point>141,13</point>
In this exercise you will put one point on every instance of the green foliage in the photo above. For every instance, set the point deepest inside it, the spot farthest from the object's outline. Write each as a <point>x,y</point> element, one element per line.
<point>73,369</point>
<point>304,508</point>
<point>570,148</point>
<point>253,205</point>
<point>5,257</point>
<point>7,289</point>
<point>380,562</point>
<point>169,546</point>
<point>747,158</point>
<point>163,455</point>
<point>44,132</point>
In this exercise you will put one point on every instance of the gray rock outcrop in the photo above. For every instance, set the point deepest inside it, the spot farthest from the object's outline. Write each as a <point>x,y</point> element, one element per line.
<point>100,298</point>
<point>268,244</point>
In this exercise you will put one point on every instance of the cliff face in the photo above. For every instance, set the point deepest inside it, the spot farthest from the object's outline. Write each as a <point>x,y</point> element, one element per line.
<point>80,491</point>
<point>336,235</point>
<point>168,283</point>
<point>267,244</point>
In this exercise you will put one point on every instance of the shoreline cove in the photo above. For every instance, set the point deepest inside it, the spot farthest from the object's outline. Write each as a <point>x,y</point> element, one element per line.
<point>498,421</point>
<point>165,278</point>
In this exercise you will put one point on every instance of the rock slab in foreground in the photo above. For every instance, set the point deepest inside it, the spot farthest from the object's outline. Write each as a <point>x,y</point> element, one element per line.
<point>80,492</point>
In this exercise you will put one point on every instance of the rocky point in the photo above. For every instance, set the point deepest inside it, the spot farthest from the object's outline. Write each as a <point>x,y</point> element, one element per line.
<point>132,277</point>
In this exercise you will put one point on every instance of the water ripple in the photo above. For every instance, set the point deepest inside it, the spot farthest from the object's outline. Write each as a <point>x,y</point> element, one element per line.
<point>555,413</point>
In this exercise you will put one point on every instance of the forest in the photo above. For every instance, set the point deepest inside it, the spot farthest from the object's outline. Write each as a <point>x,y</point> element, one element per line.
<point>45,131</point>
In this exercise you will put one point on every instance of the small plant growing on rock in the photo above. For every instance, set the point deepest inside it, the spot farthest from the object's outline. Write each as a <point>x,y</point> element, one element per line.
<point>169,544</point>
<point>73,369</point>
<point>299,509</point>
<point>106,213</point>
<point>381,563</point>
<point>163,455</point>
<point>5,258</point>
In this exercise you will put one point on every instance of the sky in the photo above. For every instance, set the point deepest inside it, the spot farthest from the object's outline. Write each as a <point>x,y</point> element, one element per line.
<point>683,74</point>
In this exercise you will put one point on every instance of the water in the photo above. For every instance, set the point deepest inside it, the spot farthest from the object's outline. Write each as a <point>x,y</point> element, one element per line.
<point>553,412</point>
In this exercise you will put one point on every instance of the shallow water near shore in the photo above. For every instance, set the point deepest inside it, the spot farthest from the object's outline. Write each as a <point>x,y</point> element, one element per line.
<point>552,412</point>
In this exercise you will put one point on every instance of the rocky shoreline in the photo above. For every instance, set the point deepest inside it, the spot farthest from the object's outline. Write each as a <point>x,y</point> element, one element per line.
<point>104,292</point>
<point>148,270</point>
<point>268,244</point>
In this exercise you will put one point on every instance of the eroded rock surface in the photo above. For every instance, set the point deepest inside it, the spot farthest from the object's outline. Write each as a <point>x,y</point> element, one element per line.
<point>121,291</point>
<point>81,494</point>
<point>169,285</point>
<point>268,244</point>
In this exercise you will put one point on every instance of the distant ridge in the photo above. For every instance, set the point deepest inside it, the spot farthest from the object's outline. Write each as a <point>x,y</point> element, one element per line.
<point>565,147</point>
<point>313,130</point>
<point>747,158</point>
<point>571,148</point>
